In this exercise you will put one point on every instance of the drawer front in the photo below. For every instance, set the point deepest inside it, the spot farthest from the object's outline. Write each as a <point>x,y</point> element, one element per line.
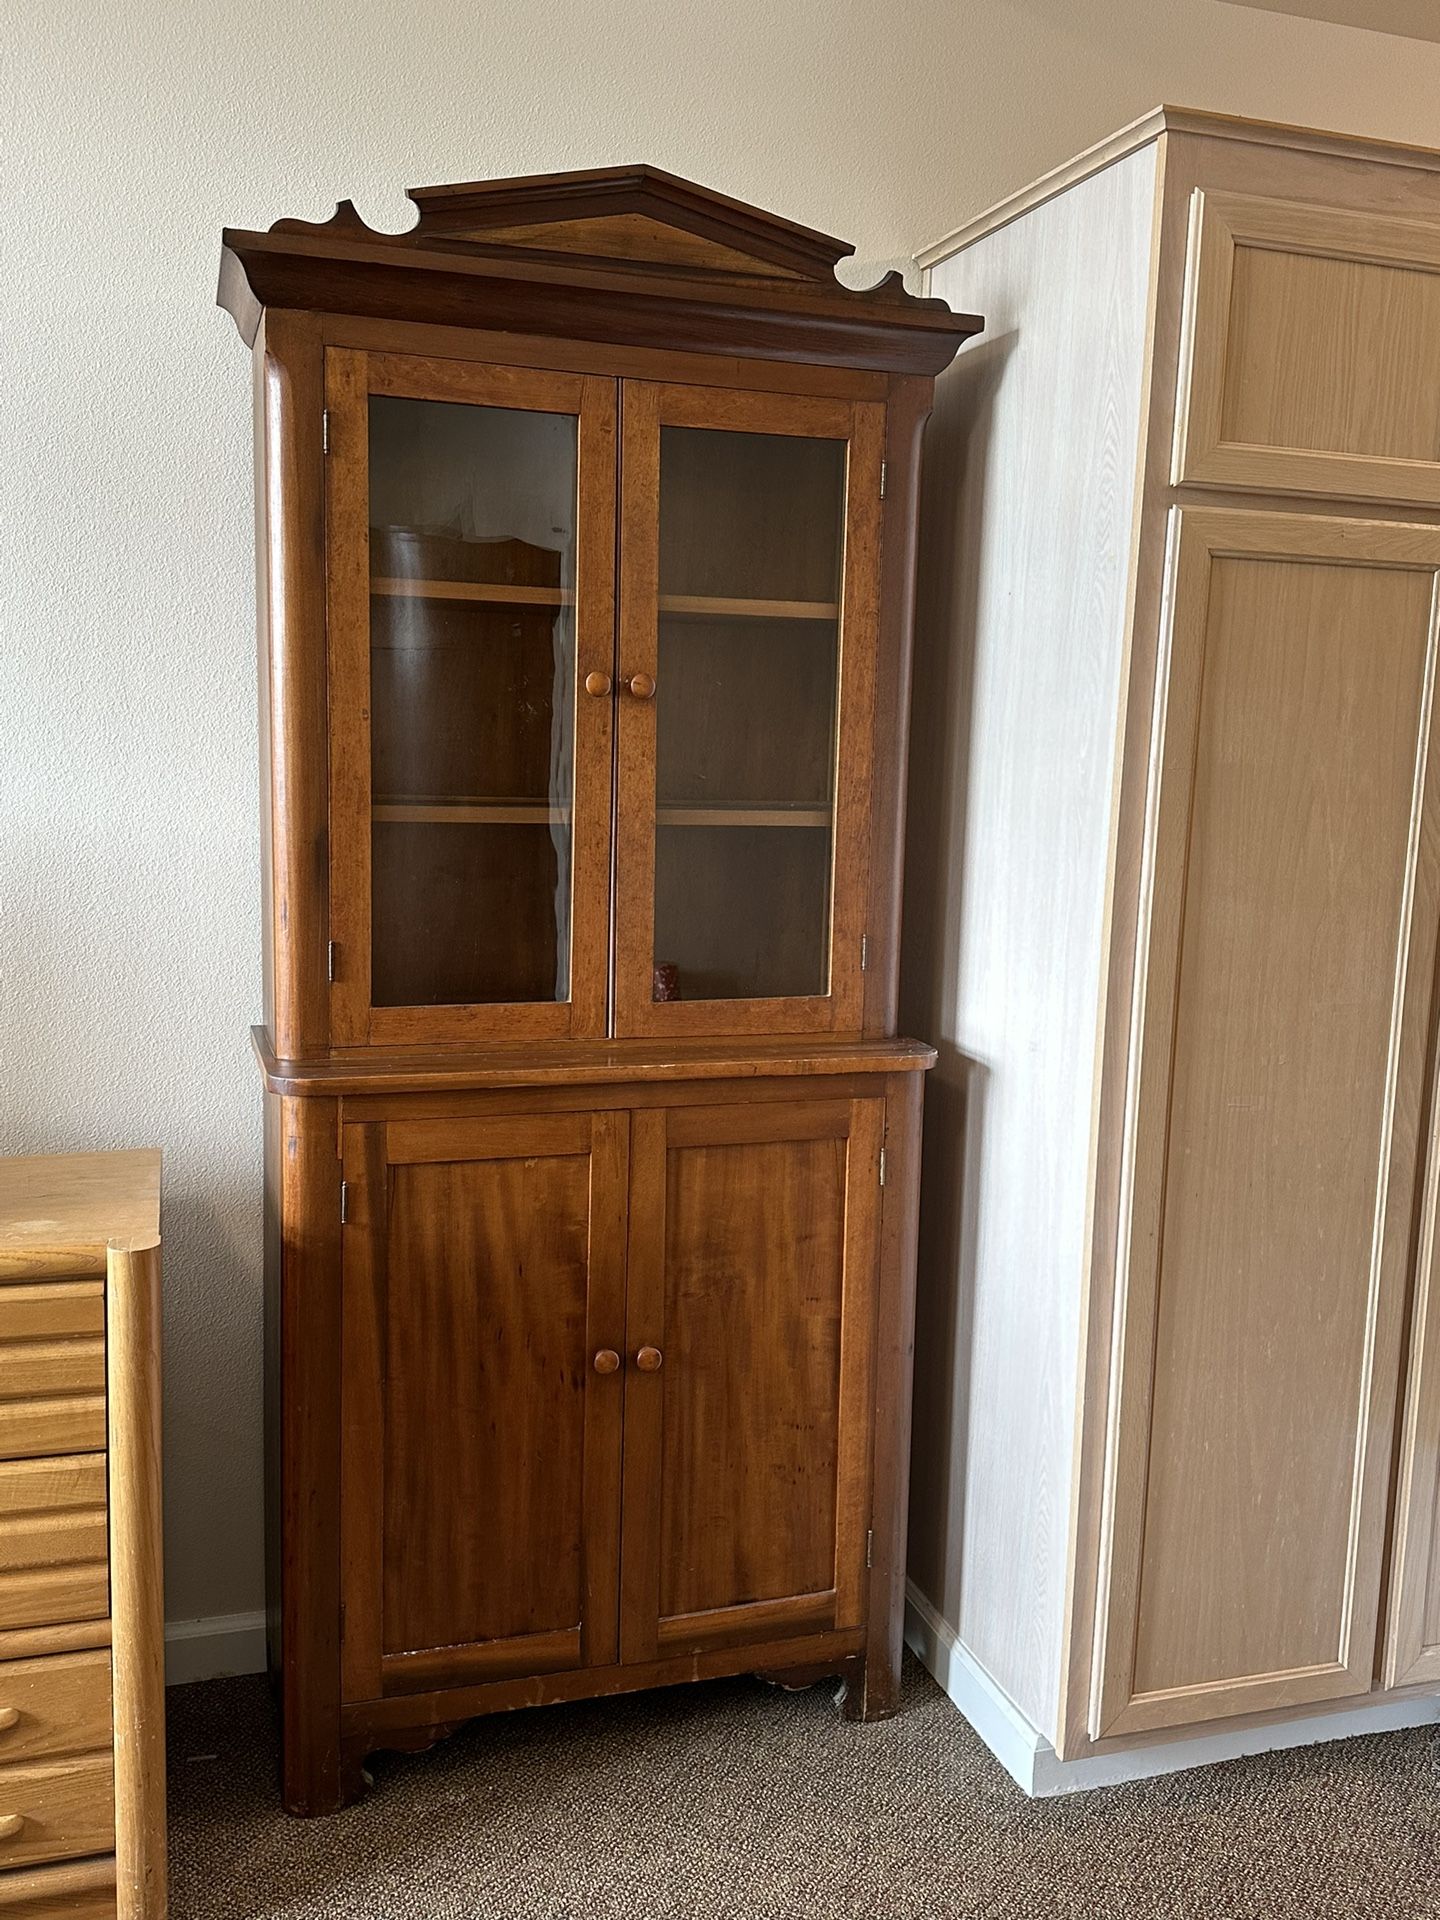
<point>57,1810</point>
<point>53,1546</point>
<point>1311,351</point>
<point>54,1706</point>
<point>72,1890</point>
<point>52,1368</point>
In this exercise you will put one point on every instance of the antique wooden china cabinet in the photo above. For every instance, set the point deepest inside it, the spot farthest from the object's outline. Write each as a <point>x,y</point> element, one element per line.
<point>586,541</point>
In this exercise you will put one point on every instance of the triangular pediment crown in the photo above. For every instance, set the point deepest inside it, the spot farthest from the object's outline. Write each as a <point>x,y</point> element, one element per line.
<point>638,216</point>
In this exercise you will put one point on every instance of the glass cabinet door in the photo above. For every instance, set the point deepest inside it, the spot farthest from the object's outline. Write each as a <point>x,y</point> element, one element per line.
<point>471,531</point>
<point>749,586</point>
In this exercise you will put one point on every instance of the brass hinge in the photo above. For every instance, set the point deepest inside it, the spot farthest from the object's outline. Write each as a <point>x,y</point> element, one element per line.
<point>332,961</point>
<point>325,431</point>
<point>870,1547</point>
<point>882,1166</point>
<point>864,951</point>
<point>884,468</point>
<point>344,1202</point>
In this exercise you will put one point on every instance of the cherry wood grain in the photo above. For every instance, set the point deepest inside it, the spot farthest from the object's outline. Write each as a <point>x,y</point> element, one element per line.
<point>603,1063</point>
<point>484,1267</point>
<point>447,1466</point>
<point>700,271</point>
<point>752,1270</point>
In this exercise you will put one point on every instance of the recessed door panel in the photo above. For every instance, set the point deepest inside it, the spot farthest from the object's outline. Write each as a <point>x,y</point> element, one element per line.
<point>753,1251</point>
<point>1284,1012</point>
<point>1310,343</point>
<point>484,1270</point>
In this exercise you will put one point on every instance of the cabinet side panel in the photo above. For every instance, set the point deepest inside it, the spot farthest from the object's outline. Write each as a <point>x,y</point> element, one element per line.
<point>1026,541</point>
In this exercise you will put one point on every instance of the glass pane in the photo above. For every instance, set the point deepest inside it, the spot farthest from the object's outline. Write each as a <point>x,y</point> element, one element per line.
<point>472,676</point>
<point>751,542</point>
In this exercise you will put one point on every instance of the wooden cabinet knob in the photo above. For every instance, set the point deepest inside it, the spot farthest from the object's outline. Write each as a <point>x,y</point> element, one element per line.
<point>597,685</point>
<point>9,1717</point>
<point>649,1359</point>
<point>606,1360</point>
<point>10,1825</point>
<point>642,686</point>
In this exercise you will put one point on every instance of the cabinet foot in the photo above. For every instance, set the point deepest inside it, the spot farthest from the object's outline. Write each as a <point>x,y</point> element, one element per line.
<point>869,1692</point>
<point>330,1791</point>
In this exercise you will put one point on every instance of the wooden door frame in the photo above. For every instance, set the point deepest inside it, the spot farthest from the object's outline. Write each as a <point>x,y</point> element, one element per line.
<point>369,1149</point>
<point>860,1121</point>
<point>1196,537</point>
<point>646,407</point>
<point>351,375</point>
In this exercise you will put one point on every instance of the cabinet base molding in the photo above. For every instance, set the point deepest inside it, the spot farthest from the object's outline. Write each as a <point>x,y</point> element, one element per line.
<point>408,1723</point>
<point>1032,1762</point>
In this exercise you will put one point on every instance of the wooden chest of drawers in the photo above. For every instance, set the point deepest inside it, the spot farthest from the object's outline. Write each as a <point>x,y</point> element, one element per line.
<point>82,1743</point>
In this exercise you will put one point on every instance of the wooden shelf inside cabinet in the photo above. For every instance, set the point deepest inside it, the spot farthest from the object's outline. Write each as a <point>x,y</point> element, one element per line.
<point>482,592</point>
<point>762,816</point>
<point>466,812</point>
<point>716,607</point>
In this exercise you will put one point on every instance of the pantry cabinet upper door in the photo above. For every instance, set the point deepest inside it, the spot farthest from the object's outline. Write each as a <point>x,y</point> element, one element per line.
<point>1283,1008</point>
<point>749,584</point>
<point>471,534</point>
<point>1311,351</point>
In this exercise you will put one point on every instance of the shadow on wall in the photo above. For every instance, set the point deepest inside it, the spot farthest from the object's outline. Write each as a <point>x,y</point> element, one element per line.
<point>936,925</point>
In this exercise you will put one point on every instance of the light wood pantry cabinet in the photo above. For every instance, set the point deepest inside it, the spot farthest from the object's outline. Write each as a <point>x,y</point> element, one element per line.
<point>82,1700</point>
<point>1176,934</point>
<point>586,544</point>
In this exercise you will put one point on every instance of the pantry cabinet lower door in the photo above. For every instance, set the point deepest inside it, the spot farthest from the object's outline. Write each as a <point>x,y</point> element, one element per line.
<point>1284,1013</point>
<point>483,1274</point>
<point>749,1352</point>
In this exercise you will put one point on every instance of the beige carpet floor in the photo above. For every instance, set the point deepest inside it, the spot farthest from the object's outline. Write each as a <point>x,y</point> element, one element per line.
<point>731,1799</point>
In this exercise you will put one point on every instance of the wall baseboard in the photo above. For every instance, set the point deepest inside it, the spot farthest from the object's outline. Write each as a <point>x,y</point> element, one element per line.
<point>214,1647</point>
<point>1034,1765</point>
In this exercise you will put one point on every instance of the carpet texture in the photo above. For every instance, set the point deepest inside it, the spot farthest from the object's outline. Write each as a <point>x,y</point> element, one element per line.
<point>731,1799</point>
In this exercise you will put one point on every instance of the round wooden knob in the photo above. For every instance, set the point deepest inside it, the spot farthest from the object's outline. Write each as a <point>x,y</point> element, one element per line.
<point>649,1359</point>
<point>10,1825</point>
<point>642,686</point>
<point>597,685</point>
<point>606,1360</point>
<point>9,1717</point>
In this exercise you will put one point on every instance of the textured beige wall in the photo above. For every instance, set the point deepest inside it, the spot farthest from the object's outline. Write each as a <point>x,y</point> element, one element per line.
<point>129,135</point>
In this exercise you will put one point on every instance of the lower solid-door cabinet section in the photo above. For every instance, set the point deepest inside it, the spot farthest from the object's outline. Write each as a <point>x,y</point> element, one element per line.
<point>565,1330</point>
<point>606,1395</point>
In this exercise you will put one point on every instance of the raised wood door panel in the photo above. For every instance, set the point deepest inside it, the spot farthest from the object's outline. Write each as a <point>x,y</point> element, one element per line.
<point>749,601</point>
<point>750,1333</point>
<point>1282,1012</point>
<point>484,1269</point>
<point>470,515</point>
<point>1310,349</point>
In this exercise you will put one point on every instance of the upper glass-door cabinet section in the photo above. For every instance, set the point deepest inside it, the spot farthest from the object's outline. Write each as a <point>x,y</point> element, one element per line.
<point>759,643</point>
<point>472,531</point>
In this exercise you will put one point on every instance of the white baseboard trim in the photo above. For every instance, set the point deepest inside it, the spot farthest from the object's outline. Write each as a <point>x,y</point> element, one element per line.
<point>993,1714</point>
<point>214,1647</point>
<point>1033,1763</point>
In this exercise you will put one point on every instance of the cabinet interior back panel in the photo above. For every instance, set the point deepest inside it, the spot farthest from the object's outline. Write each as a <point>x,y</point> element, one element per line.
<point>1301,809</point>
<point>1027,530</point>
